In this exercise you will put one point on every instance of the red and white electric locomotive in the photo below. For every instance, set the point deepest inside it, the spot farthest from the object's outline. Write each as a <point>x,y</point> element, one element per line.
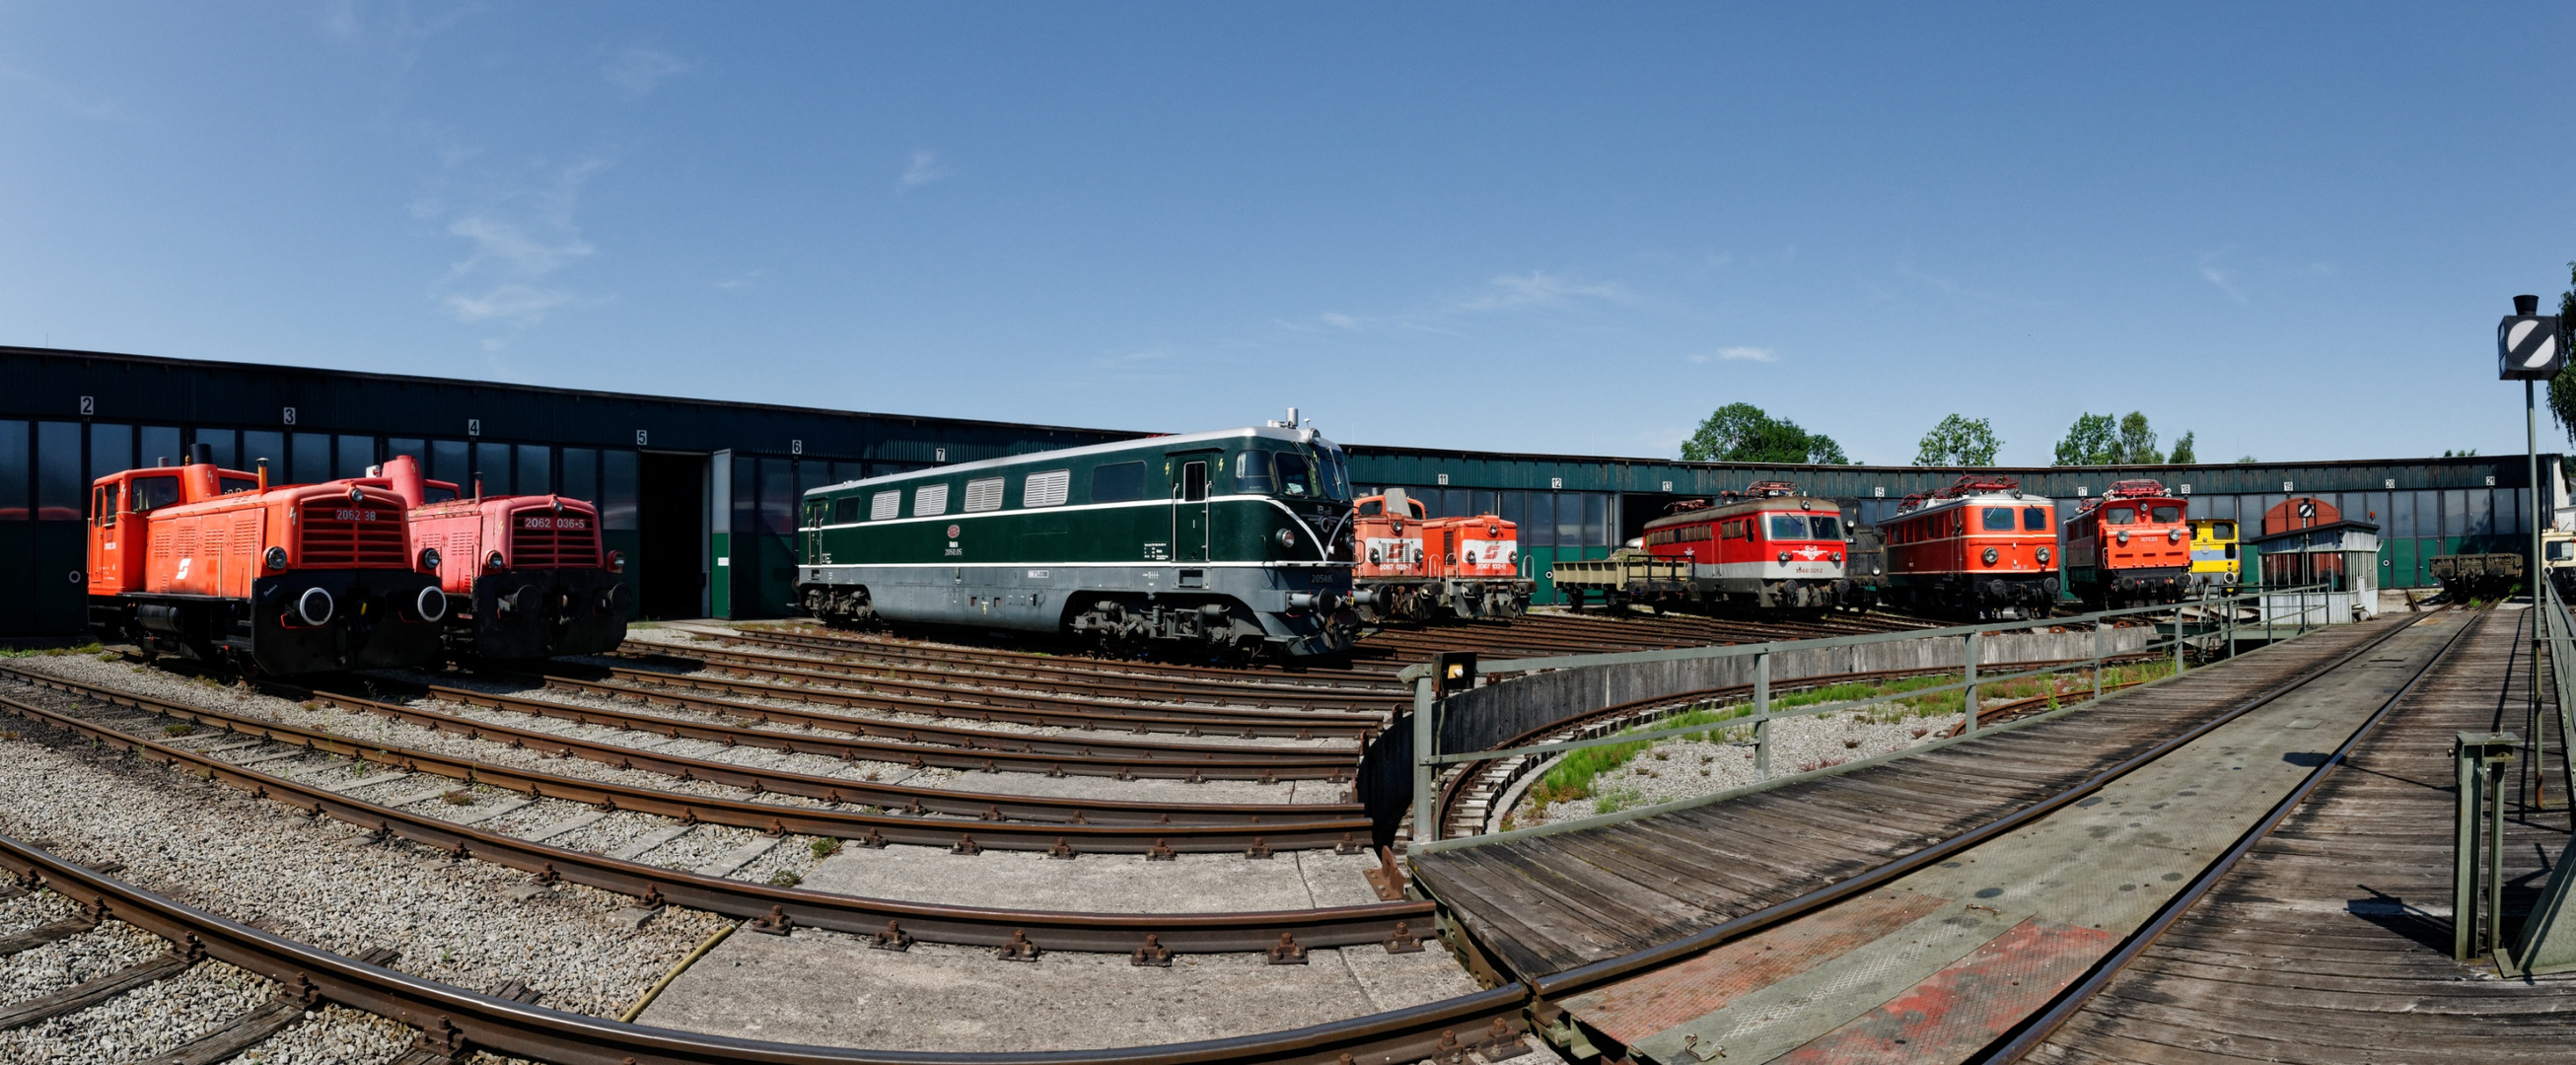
<point>1978,548</point>
<point>2131,546</point>
<point>1768,549</point>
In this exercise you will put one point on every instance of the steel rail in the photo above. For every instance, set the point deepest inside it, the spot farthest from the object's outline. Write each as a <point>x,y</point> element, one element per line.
<point>903,744</point>
<point>1292,675</point>
<point>948,684</point>
<point>783,907</point>
<point>454,1020</point>
<point>1347,835</point>
<point>915,800</point>
<point>1583,977</point>
<point>861,691</point>
<point>2037,1028</point>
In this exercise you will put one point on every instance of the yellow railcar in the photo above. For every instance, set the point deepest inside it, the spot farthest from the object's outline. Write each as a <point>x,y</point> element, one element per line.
<point>2215,565</point>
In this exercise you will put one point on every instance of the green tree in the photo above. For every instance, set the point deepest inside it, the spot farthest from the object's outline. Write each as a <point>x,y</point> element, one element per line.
<point>2137,442</point>
<point>1958,441</point>
<point>2182,452</point>
<point>2450,454</point>
<point>2091,441</point>
<point>2247,460</point>
<point>1742,432</point>
<point>2562,388</point>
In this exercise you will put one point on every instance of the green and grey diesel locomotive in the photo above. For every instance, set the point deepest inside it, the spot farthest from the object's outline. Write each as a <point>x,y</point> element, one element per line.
<point>1234,543</point>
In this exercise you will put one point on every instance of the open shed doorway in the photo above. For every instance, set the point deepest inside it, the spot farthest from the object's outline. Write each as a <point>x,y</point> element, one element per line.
<point>671,505</point>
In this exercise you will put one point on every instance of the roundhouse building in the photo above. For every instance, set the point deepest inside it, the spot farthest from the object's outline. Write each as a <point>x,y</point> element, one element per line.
<point>701,495</point>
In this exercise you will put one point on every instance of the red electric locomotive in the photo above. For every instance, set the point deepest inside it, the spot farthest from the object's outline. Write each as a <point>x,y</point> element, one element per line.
<point>524,575</point>
<point>1417,569</point>
<point>2131,546</point>
<point>1767,548</point>
<point>216,565</point>
<point>1978,548</point>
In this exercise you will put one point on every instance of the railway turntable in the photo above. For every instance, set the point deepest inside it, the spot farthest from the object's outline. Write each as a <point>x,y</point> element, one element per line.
<point>1924,908</point>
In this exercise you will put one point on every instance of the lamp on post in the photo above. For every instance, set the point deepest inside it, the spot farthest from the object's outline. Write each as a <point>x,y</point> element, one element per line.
<point>2527,350</point>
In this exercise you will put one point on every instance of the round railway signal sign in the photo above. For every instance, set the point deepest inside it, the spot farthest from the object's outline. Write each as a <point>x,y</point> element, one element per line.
<point>2527,345</point>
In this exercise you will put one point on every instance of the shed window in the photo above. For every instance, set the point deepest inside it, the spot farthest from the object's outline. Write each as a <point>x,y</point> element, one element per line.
<point>1118,482</point>
<point>845,510</point>
<point>929,500</point>
<point>983,494</point>
<point>1046,489</point>
<point>886,504</point>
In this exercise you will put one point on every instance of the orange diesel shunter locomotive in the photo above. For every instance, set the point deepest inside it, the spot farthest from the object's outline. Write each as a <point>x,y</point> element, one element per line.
<point>218,566</point>
<point>1414,568</point>
<point>2131,546</point>
<point>524,575</point>
<point>1768,548</point>
<point>1978,548</point>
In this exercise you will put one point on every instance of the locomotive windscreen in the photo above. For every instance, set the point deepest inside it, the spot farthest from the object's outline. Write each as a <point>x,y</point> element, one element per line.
<point>1786,526</point>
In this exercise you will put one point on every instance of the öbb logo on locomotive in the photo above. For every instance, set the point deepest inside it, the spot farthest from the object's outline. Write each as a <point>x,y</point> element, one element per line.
<point>1233,543</point>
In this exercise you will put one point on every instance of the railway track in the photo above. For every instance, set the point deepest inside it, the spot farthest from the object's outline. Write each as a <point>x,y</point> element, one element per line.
<point>944,675</point>
<point>913,745</point>
<point>780,907</point>
<point>1058,828</point>
<point>453,1021</point>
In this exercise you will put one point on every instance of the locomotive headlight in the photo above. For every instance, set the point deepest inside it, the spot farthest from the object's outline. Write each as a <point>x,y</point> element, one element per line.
<point>429,559</point>
<point>2173,536</point>
<point>276,558</point>
<point>2043,556</point>
<point>1989,556</point>
<point>617,562</point>
<point>1374,558</point>
<point>1784,558</point>
<point>2123,537</point>
<point>1288,538</point>
<point>493,563</point>
<point>1838,556</point>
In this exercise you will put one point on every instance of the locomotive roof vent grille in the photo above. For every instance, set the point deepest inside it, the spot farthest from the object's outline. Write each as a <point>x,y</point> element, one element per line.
<point>543,539</point>
<point>337,534</point>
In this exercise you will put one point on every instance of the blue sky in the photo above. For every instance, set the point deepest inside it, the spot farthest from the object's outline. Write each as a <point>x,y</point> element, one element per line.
<point>1571,228</point>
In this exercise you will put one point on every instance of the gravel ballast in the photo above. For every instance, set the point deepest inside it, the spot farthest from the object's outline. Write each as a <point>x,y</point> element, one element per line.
<point>1688,768</point>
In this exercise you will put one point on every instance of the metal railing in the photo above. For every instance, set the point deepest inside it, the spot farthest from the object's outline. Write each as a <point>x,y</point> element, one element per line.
<point>2225,632</point>
<point>2547,941</point>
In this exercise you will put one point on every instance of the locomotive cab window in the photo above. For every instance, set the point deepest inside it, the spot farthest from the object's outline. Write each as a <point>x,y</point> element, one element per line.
<point>2034,519</point>
<point>2225,530</point>
<point>1828,527</point>
<point>148,494</point>
<point>434,493</point>
<point>2120,515</point>
<point>1252,474</point>
<point>2166,515</point>
<point>102,506</point>
<point>231,485</point>
<point>1995,519</point>
<point>1788,527</point>
<point>1296,476</point>
<point>845,510</point>
<point>1194,482</point>
<point>814,511</point>
<point>1118,482</point>
<point>1370,509</point>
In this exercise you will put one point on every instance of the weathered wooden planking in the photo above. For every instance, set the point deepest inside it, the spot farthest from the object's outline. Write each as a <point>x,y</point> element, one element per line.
<point>2331,941</point>
<point>1551,903</point>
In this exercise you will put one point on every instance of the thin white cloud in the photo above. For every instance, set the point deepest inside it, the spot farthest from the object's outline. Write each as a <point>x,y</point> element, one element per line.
<point>522,233</point>
<point>1339,320</point>
<point>1540,289</point>
<point>2225,281</point>
<point>925,168</point>
<point>638,70</point>
<point>1738,354</point>
<point>742,281</point>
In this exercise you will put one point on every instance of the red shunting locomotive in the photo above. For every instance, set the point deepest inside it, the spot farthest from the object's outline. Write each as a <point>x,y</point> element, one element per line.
<point>1420,569</point>
<point>2132,546</point>
<point>524,575</point>
<point>216,565</point>
<point>1978,548</point>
